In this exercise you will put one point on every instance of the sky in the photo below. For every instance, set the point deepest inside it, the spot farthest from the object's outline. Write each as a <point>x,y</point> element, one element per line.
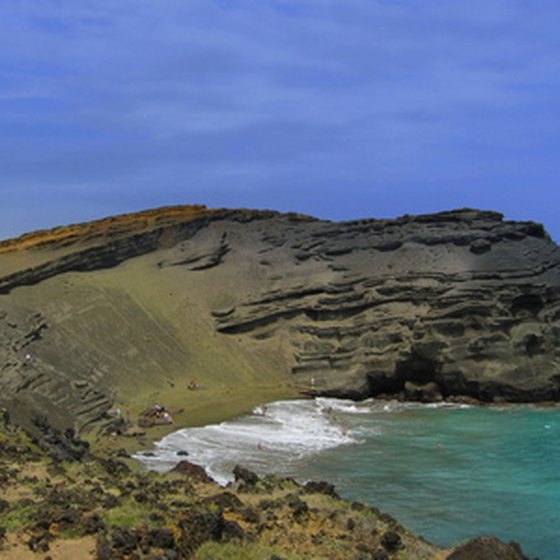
<point>341,109</point>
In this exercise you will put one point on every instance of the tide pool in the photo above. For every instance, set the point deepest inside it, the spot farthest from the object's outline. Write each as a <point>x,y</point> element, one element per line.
<point>448,473</point>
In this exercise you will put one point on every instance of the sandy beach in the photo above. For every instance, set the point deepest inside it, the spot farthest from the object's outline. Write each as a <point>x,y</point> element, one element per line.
<point>189,409</point>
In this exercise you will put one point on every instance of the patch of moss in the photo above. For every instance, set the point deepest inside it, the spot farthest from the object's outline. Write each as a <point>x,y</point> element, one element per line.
<point>129,514</point>
<point>19,517</point>
<point>73,533</point>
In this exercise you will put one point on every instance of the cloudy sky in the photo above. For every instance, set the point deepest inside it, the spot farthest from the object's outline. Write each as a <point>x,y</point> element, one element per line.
<point>337,108</point>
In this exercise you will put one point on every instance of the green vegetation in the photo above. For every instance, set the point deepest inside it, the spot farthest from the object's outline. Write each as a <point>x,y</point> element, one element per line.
<point>99,504</point>
<point>18,517</point>
<point>130,514</point>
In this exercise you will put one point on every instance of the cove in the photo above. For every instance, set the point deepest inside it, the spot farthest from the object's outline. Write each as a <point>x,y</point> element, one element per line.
<point>447,472</point>
<point>450,474</point>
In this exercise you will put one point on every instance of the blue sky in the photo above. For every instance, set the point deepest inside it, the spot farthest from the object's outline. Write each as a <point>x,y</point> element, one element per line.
<point>340,109</point>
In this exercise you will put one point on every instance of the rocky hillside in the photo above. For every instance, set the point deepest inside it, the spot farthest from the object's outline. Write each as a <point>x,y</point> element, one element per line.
<point>97,508</point>
<point>128,309</point>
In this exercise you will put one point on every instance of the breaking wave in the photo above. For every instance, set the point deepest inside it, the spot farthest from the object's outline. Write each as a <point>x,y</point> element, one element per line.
<point>273,439</point>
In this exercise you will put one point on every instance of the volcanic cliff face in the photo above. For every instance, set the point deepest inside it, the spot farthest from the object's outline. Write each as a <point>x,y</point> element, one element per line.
<point>463,301</point>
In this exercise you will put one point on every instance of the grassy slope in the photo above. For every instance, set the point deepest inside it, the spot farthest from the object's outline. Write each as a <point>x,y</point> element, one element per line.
<point>143,332</point>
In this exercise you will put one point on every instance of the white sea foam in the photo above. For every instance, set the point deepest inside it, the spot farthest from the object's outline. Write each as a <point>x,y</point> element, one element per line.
<point>398,406</point>
<point>345,406</point>
<point>447,405</point>
<point>277,436</point>
<point>272,439</point>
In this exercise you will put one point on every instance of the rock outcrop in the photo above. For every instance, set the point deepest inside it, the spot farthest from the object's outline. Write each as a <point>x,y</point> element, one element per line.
<point>459,303</point>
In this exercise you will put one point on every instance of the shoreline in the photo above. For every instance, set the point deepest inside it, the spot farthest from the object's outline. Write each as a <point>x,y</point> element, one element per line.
<point>297,507</point>
<point>202,408</point>
<point>216,407</point>
<point>220,470</point>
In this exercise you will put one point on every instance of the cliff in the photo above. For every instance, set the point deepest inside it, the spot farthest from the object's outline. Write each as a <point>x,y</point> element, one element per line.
<point>128,309</point>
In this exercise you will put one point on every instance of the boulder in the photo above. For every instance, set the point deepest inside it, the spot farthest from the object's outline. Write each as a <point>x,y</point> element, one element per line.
<point>487,548</point>
<point>194,472</point>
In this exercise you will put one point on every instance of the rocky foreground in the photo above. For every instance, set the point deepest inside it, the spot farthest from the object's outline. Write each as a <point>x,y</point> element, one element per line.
<point>97,507</point>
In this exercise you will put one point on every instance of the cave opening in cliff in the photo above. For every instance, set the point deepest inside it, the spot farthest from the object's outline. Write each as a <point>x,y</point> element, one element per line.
<point>418,369</point>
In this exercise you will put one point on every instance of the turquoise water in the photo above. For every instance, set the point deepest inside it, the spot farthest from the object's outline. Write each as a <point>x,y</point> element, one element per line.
<point>448,473</point>
<point>451,474</point>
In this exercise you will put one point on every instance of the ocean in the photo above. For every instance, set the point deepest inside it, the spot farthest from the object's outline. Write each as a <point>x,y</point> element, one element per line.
<point>447,472</point>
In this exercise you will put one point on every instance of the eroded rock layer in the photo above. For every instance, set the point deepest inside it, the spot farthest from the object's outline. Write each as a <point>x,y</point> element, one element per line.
<point>455,303</point>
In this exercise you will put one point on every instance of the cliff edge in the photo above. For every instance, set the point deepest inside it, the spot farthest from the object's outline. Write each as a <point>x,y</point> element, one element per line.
<point>129,309</point>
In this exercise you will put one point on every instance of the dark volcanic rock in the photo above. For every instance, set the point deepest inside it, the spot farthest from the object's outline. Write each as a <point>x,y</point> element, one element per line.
<point>62,446</point>
<point>298,507</point>
<point>391,540</point>
<point>102,548</point>
<point>487,548</point>
<point>245,475</point>
<point>124,539</point>
<point>195,472</point>
<point>112,466</point>
<point>232,532</point>
<point>161,538</point>
<point>40,542</point>
<point>320,487</point>
<point>93,524</point>
<point>198,527</point>
<point>226,500</point>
